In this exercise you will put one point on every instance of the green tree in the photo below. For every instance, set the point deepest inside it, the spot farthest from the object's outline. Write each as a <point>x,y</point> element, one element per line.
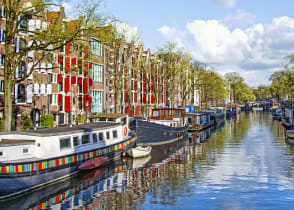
<point>52,35</point>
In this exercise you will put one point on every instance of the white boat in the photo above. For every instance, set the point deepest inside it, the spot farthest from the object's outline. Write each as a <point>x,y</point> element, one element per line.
<point>139,151</point>
<point>31,159</point>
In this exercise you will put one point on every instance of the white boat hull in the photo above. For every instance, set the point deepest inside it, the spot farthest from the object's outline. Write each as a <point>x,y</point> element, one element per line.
<point>139,151</point>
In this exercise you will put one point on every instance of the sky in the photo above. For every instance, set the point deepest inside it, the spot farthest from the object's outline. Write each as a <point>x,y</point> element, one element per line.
<point>251,37</point>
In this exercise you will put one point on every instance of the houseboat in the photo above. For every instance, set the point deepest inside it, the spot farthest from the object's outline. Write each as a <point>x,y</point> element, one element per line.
<point>257,107</point>
<point>232,109</point>
<point>217,114</point>
<point>31,159</point>
<point>288,118</point>
<point>197,121</point>
<point>164,126</point>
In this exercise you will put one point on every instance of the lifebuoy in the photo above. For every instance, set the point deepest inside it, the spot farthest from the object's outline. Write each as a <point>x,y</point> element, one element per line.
<point>125,131</point>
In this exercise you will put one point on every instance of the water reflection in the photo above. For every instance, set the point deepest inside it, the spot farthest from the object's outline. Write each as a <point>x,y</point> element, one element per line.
<point>245,164</point>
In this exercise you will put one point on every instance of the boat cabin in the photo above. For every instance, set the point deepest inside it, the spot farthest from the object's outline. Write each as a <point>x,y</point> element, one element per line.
<point>167,113</point>
<point>198,120</point>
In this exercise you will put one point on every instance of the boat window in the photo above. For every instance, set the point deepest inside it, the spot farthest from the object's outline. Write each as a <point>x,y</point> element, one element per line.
<point>85,139</point>
<point>114,134</point>
<point>107,135</point>
<point>111,119</point>
<point>1,154</point>
<point>101,138</point>
<point>176,113</point>
<point>124,120</point>
<point>75,140</point>
<point>94,135</point>
<point>64,143</point>
<point>190,120</point>
<point>25,150</point>
<point>102,118</point>
<point>155,113</point>
<point>162,113</point>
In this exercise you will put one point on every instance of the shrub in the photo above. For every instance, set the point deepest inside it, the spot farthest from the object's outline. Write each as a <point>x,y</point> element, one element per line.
<point>26,122</point>
<point>79,119</point>
<point>47,121</point>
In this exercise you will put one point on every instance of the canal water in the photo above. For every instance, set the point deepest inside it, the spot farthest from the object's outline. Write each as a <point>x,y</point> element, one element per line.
<point>245,164</point>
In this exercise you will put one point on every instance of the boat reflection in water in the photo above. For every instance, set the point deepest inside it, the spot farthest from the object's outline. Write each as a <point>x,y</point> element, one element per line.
<point>200,136</point>
<point>72,193</point>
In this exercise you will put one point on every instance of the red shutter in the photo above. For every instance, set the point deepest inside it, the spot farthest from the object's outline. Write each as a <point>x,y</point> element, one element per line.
<point>67,103</point>
<point>135,85</point>
<point>136,97</point>
<point>152,88</point>
<point>86,86</point>
<point>80,79</point>
<point>85,102</point>
<point>152,99</point>
<point>73,80</point>
<point>90,99</point>
<point>126,97</point>
<point>137,112</point>
<point>90,65</point>
<point>60,59</point>
<point>66,84</point>
<point>80,62</point>
<point>73,61</point>
<point>144,87</point>
<point>144,98</point>
<point>59,98</point>
<point>67,64</point>
<point>67,48</point>
<point>59,78</point>
<point>90,81</point>
<point>86,68</point>
<point>86,52</point>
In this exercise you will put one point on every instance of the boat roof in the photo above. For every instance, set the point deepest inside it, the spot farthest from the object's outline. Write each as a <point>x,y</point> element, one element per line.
<point>167,108</point>
<point>110,115</point>
<point>197,113</point>
<point>82,128</point>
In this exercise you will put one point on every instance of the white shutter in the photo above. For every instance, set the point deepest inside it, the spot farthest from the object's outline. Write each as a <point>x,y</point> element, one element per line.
<point>31,54</point>
<point>36,89</point>
<point>49,89</point>
<point>1,35</point>
<point>16,72</point>
<point>17,44</point>
<point>38,24</point>
<point>3,12</point>
<point>49,66</point>
<point>43,67</point>
<point>30,65</point>
<point>30,93</point>
<point>44,26</point>
<point>31,24</point>
<point>15,92</point>
<point>43,89</point>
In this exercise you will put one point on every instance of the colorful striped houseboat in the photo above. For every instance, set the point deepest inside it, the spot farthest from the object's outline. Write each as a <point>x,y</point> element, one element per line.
<point>31,159</point>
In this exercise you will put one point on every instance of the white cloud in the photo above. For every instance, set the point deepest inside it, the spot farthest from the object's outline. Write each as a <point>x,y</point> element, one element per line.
<point>225,3</point>
<point>259,48</point>
<point>240,17</point>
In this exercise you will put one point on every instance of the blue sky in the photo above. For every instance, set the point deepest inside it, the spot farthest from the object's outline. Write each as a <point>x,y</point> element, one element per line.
<point>252,37</point>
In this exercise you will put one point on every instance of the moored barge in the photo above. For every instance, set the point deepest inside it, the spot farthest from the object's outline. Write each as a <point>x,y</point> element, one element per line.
<point>32,159</point>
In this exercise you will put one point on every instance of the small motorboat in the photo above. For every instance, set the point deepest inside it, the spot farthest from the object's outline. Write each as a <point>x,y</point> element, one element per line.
<point>139,151</point>
<point>93,163</point>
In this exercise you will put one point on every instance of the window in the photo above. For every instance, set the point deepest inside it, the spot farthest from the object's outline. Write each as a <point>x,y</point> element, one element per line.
<point>1,85</point>
<point>85,139</point>
<point>124,120</point>
<point>96,72</point>
<point>176,113</point>
<point>25,150</point>
<point>2,59</point>
<point>80,101</point>
<point>107,135</point>
<point>75,140</point>
<point>1,153</point>
<point>97,101</point>
<point>23,25</point>
<point>96,47</point>
<point>114,134</point>
<point>94,135</point>
<point>21,70</point>
<point>155,113</point>
<point>20,93</point>
<point>2,35</point>
<point>64,143</point>
<point>22,44</point>
<point>101,138</point>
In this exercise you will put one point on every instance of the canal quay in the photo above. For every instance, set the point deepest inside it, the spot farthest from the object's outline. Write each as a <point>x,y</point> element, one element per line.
<point>243,164</point>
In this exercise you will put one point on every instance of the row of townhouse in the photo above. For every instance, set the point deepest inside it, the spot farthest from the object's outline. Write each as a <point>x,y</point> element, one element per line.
<point>84,80</point>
